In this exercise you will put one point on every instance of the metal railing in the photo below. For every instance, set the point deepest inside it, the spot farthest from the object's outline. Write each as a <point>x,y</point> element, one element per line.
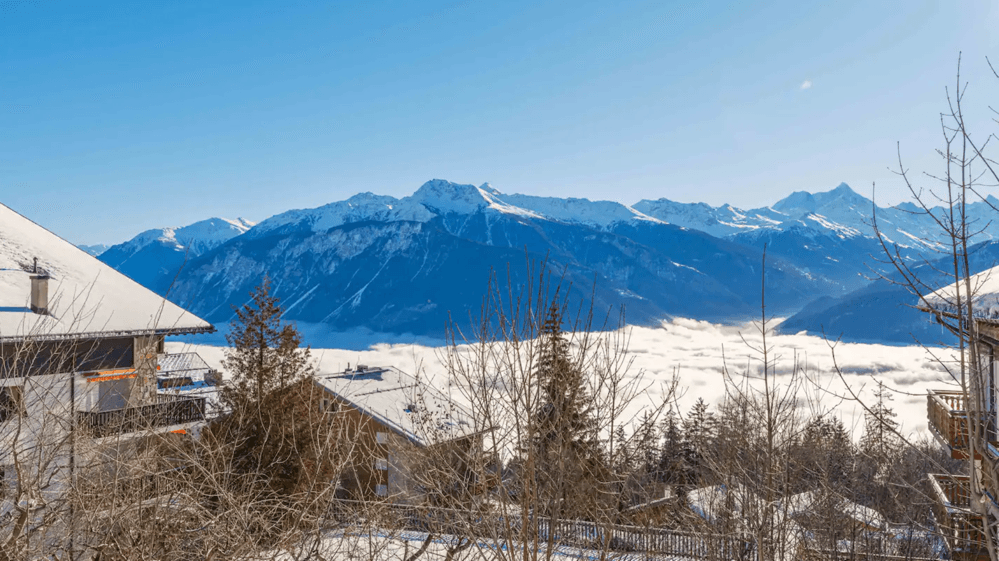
<point>167,411</point>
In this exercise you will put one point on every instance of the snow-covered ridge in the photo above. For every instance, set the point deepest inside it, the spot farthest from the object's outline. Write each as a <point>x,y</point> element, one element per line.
<point>198,238</point>
<point>578,211</point>
<point>359,208</point>
<point>439,197</point>
<point>95,249</point>
<point>839,212</point>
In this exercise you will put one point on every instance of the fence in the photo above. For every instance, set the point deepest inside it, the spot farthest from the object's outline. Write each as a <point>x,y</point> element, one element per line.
<point>542,530</point>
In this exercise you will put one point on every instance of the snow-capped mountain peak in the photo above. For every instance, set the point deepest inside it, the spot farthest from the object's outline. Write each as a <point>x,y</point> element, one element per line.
<point>198,237</point>
<point>796,201</point>
<point>443,197</point>
<point>358,208</point>
<point>206,235</point>
<point>801,202</point>
<point>148,254</point>
<point>722,221</point>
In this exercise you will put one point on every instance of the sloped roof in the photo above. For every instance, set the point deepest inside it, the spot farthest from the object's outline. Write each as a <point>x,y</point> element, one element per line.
<point>416,410</point>
<point>710,502</point>
<point>86,297</point>
<point>180,363</point>
<point>803,503</point>
<point>713,502</point>
<point>984,296</point>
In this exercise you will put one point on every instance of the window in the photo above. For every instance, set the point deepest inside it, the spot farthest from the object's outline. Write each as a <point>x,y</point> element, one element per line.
<point>330,406</point>
<point>11,402</point>
<point>381,490</point>
<point>381,464</point>
<point>105,354</point>
<point>381,437</point>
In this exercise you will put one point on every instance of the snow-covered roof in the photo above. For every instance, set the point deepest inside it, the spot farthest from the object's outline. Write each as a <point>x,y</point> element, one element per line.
<point>802,503</point>
<point>712,501</point>
<point>984,296</point>
<point>667,499</point>
<point>181,363</point>
<point>86,298</point>
<point>412,408</point>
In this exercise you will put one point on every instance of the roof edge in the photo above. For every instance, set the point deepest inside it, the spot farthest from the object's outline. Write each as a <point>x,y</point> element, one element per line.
<point>108,334</point>
<point>951,315</point>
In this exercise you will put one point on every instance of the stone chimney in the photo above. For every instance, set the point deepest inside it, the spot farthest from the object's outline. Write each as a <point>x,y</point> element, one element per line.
<point>40,294</point>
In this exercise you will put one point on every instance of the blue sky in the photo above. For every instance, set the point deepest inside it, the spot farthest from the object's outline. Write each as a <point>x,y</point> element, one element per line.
<point>122,116</point>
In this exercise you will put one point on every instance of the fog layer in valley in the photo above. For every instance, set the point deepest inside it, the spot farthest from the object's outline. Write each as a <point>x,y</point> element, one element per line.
<point>693,350</point>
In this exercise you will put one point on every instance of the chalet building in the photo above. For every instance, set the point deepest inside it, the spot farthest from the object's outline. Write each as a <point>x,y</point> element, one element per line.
<point>410,442</point>
<point>81,346</point>
<point>188,375</point>
<point>964,419</point>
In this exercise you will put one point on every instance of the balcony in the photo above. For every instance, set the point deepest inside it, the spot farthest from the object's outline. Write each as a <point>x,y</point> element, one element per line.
<point>167,411</point>
<point>948,417</point>
<point>957,523</point>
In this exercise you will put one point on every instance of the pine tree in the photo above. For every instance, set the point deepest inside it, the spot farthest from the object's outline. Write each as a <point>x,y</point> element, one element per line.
<point>880,439</point>
<point>700,429</point>
<point>825,452</point>
<point>565,447</point>
<point>565,417</point>
<point>678,461</point>
<point>271,428</point>
<point>264,354</point>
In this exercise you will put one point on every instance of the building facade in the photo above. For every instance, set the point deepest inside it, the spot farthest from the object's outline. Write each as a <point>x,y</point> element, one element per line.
<point>409,442</point>
<point>80,347</point>
<point>963,417</point>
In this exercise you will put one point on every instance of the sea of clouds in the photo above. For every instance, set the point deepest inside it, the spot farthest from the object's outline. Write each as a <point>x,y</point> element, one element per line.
<point>708,360</point>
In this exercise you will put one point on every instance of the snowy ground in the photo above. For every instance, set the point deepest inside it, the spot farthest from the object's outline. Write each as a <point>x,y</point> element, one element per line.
<point>397,546</point>
<point>693,350</point>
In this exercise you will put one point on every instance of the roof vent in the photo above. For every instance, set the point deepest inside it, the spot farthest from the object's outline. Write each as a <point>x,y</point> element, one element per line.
<point>40,294</point>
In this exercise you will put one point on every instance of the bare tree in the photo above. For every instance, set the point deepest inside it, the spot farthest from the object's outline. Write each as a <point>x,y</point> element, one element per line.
<point>947,289</point>
<point>550,387</point>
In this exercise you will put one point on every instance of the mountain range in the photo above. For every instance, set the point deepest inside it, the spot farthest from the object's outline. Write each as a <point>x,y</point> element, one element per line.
<point>408,264</point>
<point>154,257</point>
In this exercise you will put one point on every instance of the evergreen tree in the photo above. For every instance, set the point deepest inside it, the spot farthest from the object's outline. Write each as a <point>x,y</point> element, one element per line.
<point>824,453</point>
<point>565,418</point>
<point>880,439</point>
<point>565,431</point>
<point>272,428</point>
<point>700,430</point>
<point>264,354</point>
<point>645,445</point>
<point>678,461</point>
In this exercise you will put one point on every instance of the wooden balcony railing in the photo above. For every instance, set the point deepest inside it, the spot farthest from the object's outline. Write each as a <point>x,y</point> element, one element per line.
<point>948,417</point>
<point>961,527</point>
<point>167,411</point>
